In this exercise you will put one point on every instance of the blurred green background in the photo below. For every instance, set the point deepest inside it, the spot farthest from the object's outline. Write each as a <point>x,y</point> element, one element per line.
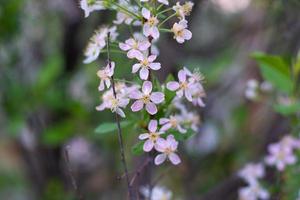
<point>48,98</point>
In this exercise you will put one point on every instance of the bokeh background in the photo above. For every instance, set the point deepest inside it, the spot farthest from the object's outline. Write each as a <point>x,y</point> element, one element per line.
<point>48,98</point>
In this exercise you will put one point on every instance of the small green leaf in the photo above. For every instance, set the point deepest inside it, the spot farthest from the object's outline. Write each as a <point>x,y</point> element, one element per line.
<point>183,136</point>
<point>137,149</point>
<point>287,109</point>
<point>276,71</point>
<point>110,127</point>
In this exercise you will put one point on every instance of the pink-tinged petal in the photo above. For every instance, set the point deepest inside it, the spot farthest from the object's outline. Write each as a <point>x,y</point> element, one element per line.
<point>152,58</point>
<point>147,87</point>
<point>152,126</point>
<point>124,47</point>
<point>144,73</point>
<point>146,13</point>
<point>166,2</point>
<point>179,39</point>
<point>112,68</point>
<point>160,144</point>
<point>133,53</point>
<point>151,108</point>
<point>200,102</point>
<point>163,120</point>
<point>137,106</point>
<point>136,94</point>
<point>144,136</point>
<point>155,66</point>
<point>148,145</point>
<point>179,93</point>
<point>182,76</point>
<point>180,129</point>
<point>160,158</point>
<point>131,42</point>
<point>172,85</point>
<point>187,34</point>
<point>123,102</point>
<point>155,33</point>
<point>120,112</point>
<point>101,86</point>
<point>291,159</point>
<point>146,30</point>
<point>174,158</point>
<point>166,127</point>
<point>188,95</point>
<point>187,71</point>
<point>157,97</point>
<point>144,45</point>
<point>101,107</point>
<point>135,68</point>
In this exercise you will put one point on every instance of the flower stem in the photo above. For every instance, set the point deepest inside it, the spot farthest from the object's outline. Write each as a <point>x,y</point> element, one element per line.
<point>166,20</point>
<point>120,137</point>
<point>166,10</point>
<point>126,10</point>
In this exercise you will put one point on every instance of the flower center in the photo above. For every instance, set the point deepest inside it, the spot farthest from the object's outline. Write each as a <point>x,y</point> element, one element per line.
<point>153,136</point>
<point>145,63</point>
<point>183,85</point>
<point>168,151</point>
<point>114,103</point>
<point>152,21</point>
<point>173,122</point>
<point>146,99</point>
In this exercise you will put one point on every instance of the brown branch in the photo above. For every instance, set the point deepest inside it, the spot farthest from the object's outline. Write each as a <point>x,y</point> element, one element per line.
<point>71,174</point>
<point>120,137</point>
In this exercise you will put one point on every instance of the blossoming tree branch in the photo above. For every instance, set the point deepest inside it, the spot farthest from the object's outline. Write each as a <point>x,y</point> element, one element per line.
<point>166,119</point>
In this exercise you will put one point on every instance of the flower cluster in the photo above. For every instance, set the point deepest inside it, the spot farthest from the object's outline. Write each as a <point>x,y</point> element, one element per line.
<point>167,119</point>
<point>254,89</point>
<point>281,155</point>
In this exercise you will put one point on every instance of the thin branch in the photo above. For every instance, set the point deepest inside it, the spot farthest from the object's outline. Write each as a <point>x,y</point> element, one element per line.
<point>120,137</point>
<point>71,174</point>
<point>139,171</point>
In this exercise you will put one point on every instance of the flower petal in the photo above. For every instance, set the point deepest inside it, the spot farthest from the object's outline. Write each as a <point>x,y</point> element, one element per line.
<point>152,126</point>
<point>182,75</point>
<point>146,13</point>
<point>155,66</point>
<point>157,97</point>
<point>137,106</point>
<point>148,146</point>
<point>147,87</point>
<point>172,85</point>
<point>151,108</point>
<point>144,73</point>
<point>144,136</point>
<point>174,158</point>
<point>160,158</point>
<point>135,68</point>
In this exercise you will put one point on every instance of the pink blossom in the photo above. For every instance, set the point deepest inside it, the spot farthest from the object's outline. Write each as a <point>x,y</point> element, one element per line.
<point>172,122</point>
<point>183,87</point>
<point>150,26</point>
<point>251,172</point>
<point>146,97</point>
<point>181,33</point>
<point>114,104</point>
<point>280,156</point>
<point>105,76</point>
<point>89,6</point>
<point>151,136</point>
<point>134,47</point>
<point>145,64</point>
<point>253,192</point>
<point>183,10</point>
<point>167,147</point>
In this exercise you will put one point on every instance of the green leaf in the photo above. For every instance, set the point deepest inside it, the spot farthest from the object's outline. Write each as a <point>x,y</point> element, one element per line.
<point>287,109</point>
<point>110,127</point>
<point>137,149</point>
<point>183,136</point>
<point>276,71</point>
